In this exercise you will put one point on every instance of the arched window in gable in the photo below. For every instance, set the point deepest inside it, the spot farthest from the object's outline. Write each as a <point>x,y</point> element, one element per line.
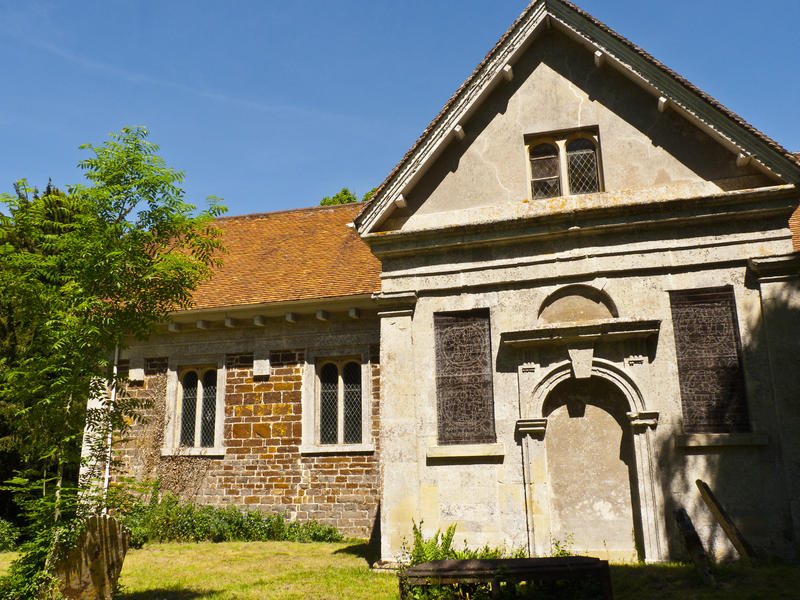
<point>545,171</point>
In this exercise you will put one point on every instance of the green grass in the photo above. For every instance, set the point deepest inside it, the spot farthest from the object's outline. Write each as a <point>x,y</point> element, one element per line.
<point>254,570</point>
<point>321,571</point>
<point>5,560</point>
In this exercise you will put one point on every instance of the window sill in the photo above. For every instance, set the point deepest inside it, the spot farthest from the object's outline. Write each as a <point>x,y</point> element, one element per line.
<point>337,448</point>
<point>716,440</point>
<point>216,452</point>
<point>467,450</point>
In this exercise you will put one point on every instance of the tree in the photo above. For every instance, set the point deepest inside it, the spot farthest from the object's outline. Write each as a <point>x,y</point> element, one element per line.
<point>345,196</point>
<point>80,272</point>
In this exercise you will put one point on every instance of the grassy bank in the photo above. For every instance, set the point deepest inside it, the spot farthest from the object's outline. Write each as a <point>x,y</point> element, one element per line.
<point>321,571</point>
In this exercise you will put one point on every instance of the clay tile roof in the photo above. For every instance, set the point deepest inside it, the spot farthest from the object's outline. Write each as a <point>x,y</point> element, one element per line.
<point>290,255</point>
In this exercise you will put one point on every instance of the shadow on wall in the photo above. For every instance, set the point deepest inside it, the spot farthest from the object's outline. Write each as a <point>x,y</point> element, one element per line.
<point>751,472</point>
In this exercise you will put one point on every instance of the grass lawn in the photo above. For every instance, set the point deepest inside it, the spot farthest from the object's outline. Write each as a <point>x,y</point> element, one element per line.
<point>288,570</point>
<point>255,570</point>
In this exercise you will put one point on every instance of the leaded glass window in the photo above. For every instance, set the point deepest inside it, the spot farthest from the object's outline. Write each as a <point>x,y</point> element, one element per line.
<point>329,404</point>
<point>709,361</point>
<point>582,166</point>
<point>188,408</point>
<point>545,171</point>
<point>465,401</point>
<point>351,381</point>
<point>340,403</point>
<point>198,408</point>
<point>565,163</point>
<point>208,422</point>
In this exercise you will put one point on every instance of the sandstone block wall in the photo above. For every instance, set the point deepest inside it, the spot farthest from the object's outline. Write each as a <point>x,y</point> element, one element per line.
<point>263,466</point>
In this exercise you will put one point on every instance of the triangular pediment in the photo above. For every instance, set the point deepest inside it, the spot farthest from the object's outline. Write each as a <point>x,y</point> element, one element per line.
<point>557,71</point>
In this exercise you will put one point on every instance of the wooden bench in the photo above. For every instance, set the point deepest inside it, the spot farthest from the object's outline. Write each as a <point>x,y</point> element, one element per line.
<point>511,571</point>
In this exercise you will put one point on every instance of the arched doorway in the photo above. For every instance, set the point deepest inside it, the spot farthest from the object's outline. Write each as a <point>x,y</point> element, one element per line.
<point>591,466</point>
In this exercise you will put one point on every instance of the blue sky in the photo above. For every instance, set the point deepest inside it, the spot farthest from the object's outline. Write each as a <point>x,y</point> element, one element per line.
<point>272,105</point>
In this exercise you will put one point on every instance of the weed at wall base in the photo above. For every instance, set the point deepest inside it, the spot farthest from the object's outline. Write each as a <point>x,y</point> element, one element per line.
<point>167,520</point>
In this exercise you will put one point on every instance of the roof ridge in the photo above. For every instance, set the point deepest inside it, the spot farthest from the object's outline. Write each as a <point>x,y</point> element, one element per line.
<point>288,210</point>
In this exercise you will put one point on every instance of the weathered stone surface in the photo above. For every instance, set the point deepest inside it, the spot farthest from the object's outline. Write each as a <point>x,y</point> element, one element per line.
<point>91,569</point>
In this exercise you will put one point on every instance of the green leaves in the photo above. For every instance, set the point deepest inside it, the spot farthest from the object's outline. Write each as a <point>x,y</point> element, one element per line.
<point>345,196</point>
<point>85,270</point>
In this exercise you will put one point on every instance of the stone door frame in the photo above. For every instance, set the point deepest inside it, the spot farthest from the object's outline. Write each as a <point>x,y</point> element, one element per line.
<point>532,429</point>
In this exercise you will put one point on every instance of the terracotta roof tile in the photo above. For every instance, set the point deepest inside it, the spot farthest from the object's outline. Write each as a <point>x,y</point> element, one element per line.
<point>290,255</point>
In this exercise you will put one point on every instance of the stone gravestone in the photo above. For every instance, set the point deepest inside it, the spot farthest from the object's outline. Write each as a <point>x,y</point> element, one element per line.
<point>91,569</point>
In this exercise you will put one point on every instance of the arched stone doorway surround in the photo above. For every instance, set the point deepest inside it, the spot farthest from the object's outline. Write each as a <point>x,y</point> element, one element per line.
<point>642,423</point>
<point>598,344</point>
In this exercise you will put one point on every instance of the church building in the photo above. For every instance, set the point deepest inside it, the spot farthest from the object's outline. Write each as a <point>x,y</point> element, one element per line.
<point>574,296</point>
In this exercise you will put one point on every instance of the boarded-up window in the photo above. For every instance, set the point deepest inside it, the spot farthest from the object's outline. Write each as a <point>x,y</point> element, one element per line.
<point>464,377</point>
<point>709,363</point>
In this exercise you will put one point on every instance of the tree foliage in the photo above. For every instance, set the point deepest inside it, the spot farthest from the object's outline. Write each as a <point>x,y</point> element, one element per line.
<point>345,196</point>
<point>80,272</point>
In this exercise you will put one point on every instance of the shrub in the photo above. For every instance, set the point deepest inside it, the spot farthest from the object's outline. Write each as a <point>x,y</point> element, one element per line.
<point>165,519</point>
<point>440,546</point>
<point>9,536</point>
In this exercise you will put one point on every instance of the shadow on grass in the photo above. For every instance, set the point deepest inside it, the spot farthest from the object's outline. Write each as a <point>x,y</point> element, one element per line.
<point>167,594</point>
<point>369,552</point>
<point>679,581</point>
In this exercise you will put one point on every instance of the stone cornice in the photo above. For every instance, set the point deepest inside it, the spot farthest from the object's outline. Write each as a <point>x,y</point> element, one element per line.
<point>275,308</point>
<point>776,268</point>
<point>609,217</point>
<point>571,333</point>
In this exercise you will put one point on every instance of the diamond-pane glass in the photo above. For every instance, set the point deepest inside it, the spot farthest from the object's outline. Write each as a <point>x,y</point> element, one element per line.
<point>189,408</point>
<point>207,424</point>
<point>328,404</point>
<point>351,377</point>
<point>546,188</point>
<point>582,167</point>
